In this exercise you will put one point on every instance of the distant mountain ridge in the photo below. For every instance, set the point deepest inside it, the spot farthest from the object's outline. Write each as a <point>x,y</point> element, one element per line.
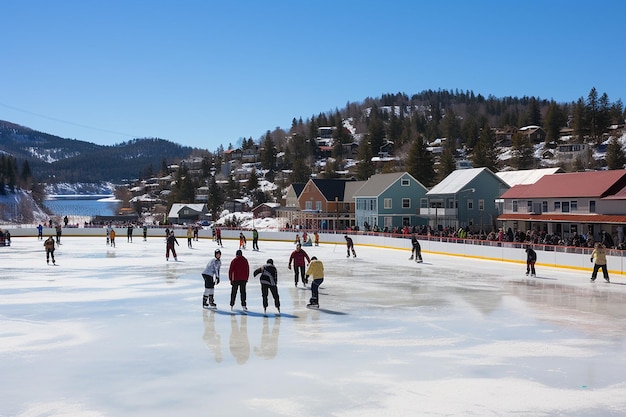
<point>54,159</point>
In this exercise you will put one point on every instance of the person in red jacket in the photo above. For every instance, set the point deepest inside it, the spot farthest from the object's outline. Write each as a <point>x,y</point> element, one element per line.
<point>298,257</point>
<point>238,273</point>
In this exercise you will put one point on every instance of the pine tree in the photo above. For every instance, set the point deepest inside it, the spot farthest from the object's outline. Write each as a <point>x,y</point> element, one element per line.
<point>522,152</point>
<point>446,165</point>
<point>485,152</point>
<point>268,155</point>
<point>216,199</point>
<point>365,168</point>
<point>253,181</point>
<point>555,120</point>
<point>615,155</point>
<point>420,162</point>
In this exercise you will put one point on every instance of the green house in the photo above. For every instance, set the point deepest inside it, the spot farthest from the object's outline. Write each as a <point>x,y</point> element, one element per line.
<point>389,200</point>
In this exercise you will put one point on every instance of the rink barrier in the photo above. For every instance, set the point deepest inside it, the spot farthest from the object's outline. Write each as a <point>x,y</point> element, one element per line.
<point>569,257</point>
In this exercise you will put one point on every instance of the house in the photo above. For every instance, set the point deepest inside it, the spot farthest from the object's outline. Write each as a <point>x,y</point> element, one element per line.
<point>465,198</point>
<point>187,213</point>
<point>264,210</point>
<point>568,203</point>
<point>322,204</point>
<point>533,133</point>
<point>389,200</point>
<point>572,151</point>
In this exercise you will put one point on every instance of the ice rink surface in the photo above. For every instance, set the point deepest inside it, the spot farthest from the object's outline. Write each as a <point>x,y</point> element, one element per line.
<point>121,332</point>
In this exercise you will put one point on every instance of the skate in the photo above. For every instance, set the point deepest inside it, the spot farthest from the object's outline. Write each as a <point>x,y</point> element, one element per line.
<point>411,258</point>
<point>278,314</point>
<point>607,280</point>
<point>312,305</point>
<point>245,309</point>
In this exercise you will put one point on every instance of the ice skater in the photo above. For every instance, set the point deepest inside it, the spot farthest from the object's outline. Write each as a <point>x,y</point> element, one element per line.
<point>598,256</point>
<point>531,258</point>
<point>238,274</point>
<point>299,258</point>
<point>350,246</point>
<point>416,249</point>
<point>242,241</point>
<point>189,236</point>
<point>49,245</point>
<point>269,283</point>
<point>255,239</point>
<point>316,272</point>
<point>112,237</point>
<point>169,246</point>
<point>218,236</point>
<point>211,275</point>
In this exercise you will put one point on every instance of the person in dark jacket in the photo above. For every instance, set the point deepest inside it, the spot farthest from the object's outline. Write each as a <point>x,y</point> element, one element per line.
<point>269,283</point>
<point>238,274</point>
<point>299,258</point>
<point>350,245</point>
<point>531,258</point>
<point>416,249</point>
<point>169,246</point>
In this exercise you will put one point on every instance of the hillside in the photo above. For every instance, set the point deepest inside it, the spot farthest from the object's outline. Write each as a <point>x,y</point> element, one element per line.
<point>53,159</point>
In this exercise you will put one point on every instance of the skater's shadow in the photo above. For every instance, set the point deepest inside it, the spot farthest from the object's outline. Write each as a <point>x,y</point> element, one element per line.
<point>239,342</point>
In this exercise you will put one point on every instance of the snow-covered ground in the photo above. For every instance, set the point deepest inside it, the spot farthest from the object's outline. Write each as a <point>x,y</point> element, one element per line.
<point>120,332</point>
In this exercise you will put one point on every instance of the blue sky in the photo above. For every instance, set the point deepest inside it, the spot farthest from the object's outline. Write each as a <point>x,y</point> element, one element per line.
<point>205,73</point>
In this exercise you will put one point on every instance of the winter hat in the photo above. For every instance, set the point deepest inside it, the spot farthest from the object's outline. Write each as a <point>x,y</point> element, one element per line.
<point>239,252</point>
<point>218,251</point>
<point>270,261</point>
<point>314,258</point>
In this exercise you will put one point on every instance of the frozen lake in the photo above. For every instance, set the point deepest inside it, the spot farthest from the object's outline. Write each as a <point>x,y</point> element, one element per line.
<point>121,332</point>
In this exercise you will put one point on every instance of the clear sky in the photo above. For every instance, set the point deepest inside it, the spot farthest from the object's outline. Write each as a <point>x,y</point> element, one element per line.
<point>204,73</point>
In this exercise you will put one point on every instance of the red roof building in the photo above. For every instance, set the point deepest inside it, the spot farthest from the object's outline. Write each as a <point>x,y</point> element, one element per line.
<point>568,203</point>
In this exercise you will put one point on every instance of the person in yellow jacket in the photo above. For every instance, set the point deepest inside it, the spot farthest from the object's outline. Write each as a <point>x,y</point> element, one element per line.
<point>315,271</point>
<point>598,257</point>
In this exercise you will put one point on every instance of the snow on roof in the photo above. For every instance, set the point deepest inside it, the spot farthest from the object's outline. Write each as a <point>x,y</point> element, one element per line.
<point>526,176</point>
<point>456,181</point>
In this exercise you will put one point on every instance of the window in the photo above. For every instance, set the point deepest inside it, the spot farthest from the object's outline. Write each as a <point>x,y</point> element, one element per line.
<point>372,204</point>
<point>406,203</point>
<point>318,205</point>
<point>565,207</point>
<point>387,204</point>
<point>308,205</point>
<point>544,206</point>
<point>529,205</point>
<point>514,206</point>
<point>481,205</point>
<point>470,204</point>
<point>557,206</point>
<point>423,203</point>
<point>573,205</point>
<point>592,206</point>
<point>405,182</point>
<point>406,221</point>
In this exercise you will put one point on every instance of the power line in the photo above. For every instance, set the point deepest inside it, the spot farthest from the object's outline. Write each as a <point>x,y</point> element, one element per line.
<point>68,122</point>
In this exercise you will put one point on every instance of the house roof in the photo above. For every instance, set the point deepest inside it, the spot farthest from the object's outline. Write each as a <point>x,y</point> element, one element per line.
<point>352,188</point>
<point>458,180</point>
<point>331,189</point>
<point>526,176</point>
<point>297,188</point>
<point>378,183</point>
<point>574,184</point>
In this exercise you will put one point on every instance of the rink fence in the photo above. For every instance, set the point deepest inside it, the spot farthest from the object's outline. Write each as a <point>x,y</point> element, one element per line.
<point>547,255</point>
